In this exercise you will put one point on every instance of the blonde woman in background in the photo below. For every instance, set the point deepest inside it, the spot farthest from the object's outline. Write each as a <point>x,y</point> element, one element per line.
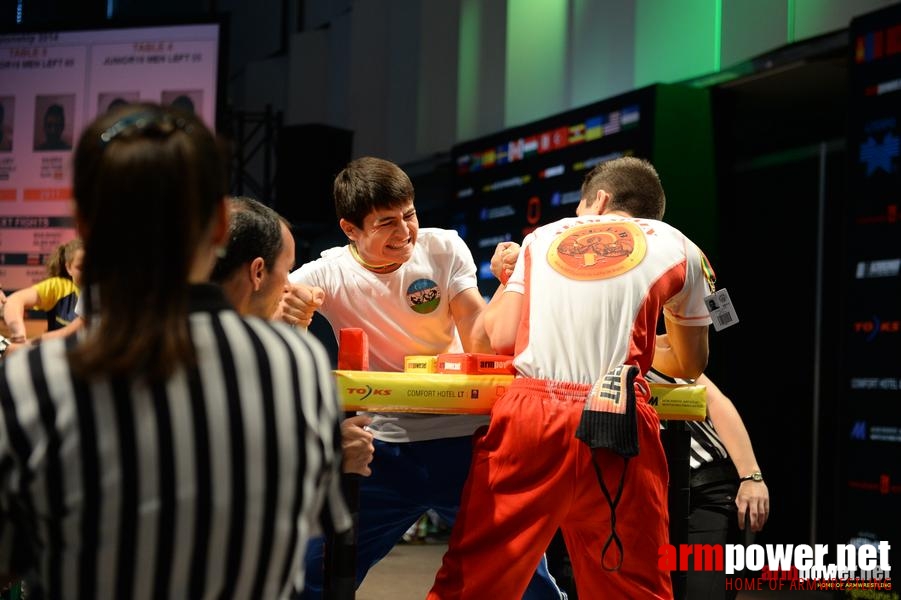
<point>56,295</point>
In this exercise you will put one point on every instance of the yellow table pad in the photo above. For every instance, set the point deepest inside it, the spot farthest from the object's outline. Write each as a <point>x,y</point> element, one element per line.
<point>475,394</point>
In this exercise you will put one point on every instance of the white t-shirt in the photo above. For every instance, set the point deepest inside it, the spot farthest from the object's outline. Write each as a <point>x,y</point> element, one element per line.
<point>403,313</point>
<point>595,287</point>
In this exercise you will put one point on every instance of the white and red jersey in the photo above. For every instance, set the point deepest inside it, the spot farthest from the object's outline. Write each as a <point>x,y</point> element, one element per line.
<point>405,312</point>
<point>594,288</point>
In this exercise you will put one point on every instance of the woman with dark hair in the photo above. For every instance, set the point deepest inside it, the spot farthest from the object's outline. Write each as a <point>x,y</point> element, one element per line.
<point>171,449</point>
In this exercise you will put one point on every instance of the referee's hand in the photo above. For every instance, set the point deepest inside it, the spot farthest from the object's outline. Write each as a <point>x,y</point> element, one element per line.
<point>753,502</point>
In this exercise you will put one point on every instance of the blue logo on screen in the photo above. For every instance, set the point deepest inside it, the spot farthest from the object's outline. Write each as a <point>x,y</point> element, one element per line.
<point>879,155</point>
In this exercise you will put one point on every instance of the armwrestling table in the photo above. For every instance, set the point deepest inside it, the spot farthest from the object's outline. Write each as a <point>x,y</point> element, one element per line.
<point>475,394</point>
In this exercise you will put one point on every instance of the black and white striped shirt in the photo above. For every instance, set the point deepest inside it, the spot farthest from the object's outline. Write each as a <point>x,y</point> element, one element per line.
<point>206,486</point>
<point>706,446</point>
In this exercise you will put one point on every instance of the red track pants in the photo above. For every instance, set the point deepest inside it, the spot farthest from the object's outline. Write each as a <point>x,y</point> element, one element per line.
<point>530,476</point>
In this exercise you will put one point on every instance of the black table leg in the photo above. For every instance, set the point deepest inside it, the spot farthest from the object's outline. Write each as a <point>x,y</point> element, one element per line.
<point>340,553</point>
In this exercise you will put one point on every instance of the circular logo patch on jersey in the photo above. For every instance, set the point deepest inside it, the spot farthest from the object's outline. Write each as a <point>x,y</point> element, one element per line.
<point>597,250</point>
<point>424,296</point>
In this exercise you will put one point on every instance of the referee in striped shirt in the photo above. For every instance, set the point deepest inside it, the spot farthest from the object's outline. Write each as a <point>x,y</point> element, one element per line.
<point>173,449</point>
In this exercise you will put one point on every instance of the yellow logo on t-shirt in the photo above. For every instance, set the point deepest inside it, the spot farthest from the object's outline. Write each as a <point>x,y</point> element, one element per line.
<point>597,250</point>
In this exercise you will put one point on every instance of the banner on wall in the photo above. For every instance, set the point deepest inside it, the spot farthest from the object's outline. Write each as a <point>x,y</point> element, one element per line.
<point>871,426</point>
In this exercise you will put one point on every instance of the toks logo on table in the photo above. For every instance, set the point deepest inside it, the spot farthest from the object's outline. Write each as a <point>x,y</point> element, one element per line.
<point>366,391</point>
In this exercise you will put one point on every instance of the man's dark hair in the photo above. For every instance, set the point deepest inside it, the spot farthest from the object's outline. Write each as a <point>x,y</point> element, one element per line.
<point>254,230</point>
<point>55,109</point>
<point>633,183</point>
<point>116,103</point>
<point>183,102</point>
<point>370,183</point>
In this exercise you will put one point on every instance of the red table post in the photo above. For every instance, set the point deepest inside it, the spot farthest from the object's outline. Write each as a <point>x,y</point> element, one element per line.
<point>340,557</point>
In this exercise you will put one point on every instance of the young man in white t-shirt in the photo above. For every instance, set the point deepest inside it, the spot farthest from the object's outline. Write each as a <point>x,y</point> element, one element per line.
<point>414,292</point>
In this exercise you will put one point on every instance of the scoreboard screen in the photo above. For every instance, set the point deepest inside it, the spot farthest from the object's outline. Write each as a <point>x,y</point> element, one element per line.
<point>870,436</point>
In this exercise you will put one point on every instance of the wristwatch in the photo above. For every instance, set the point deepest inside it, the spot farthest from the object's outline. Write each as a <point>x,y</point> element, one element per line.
<point>755,476</point>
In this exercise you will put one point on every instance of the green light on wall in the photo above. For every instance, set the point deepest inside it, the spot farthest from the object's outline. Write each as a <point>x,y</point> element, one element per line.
<point>468,69</point>
<point>676,40</point>
<point>536,59</point>
<point>790,26</point>
<point>718,35</point>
